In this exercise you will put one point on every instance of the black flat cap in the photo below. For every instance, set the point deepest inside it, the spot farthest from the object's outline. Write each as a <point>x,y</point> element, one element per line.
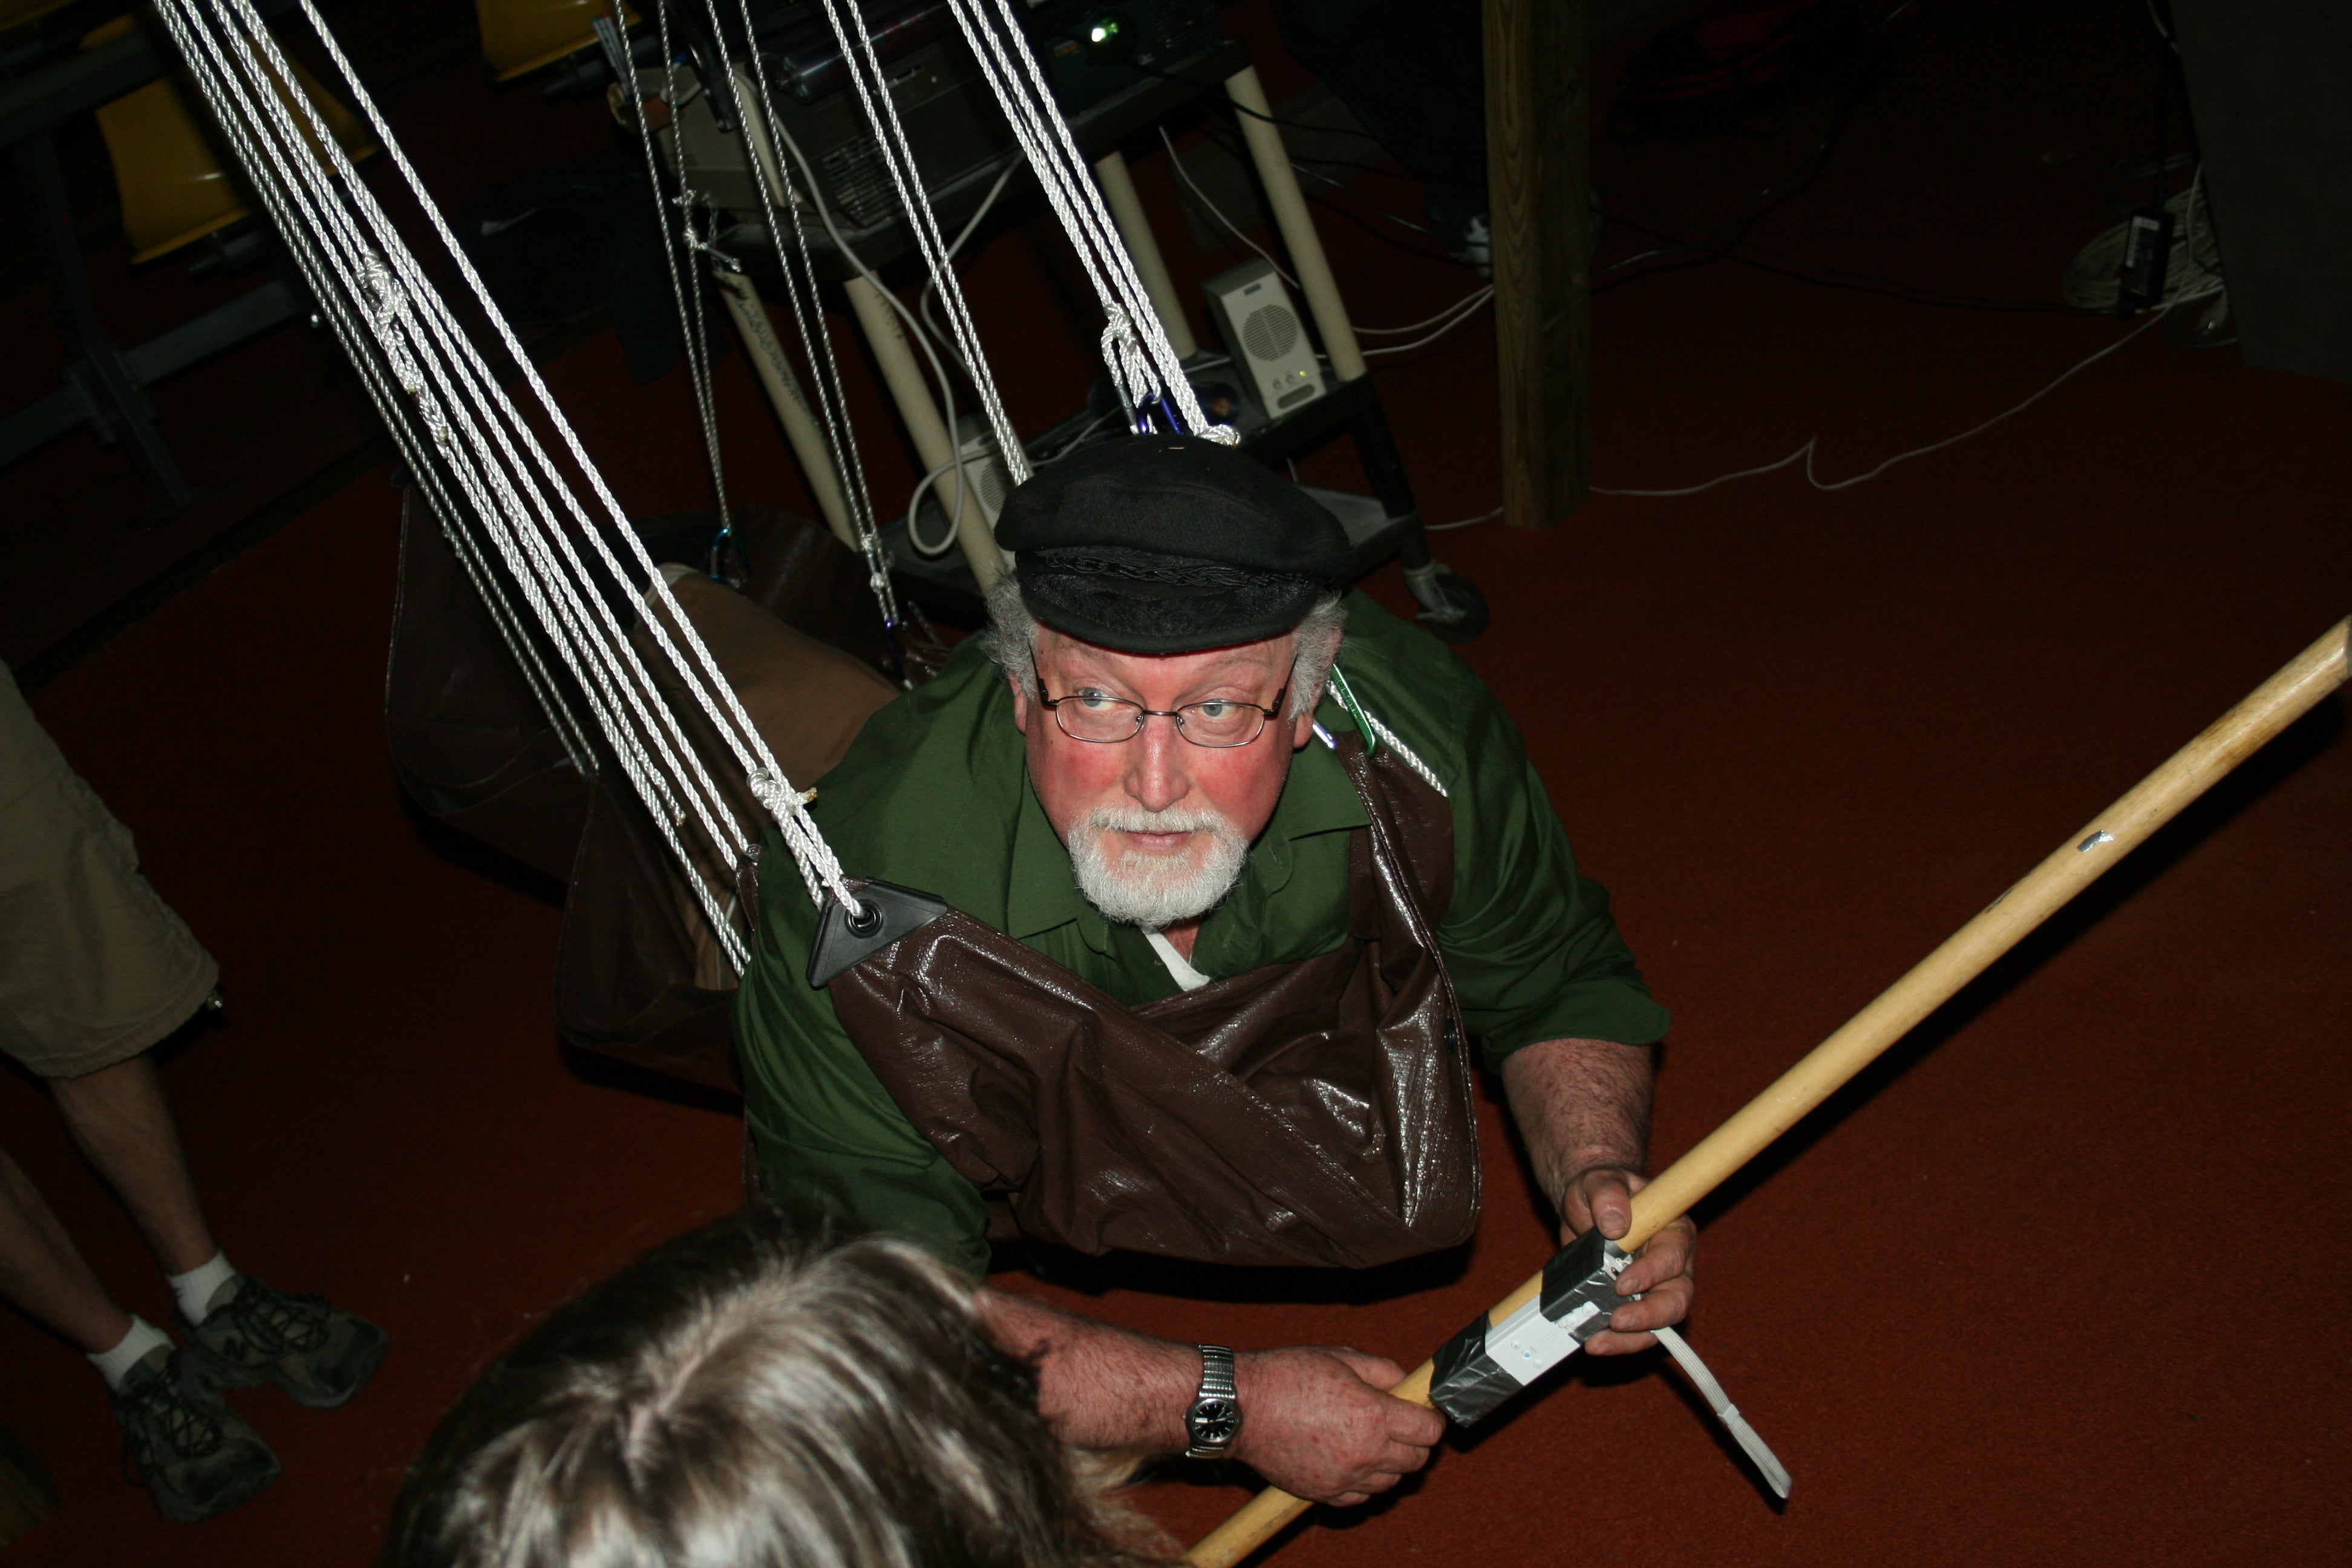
<point>1170,544</point>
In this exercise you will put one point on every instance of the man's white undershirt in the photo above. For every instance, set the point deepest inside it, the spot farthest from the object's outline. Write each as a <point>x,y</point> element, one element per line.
<point>1181,972</point>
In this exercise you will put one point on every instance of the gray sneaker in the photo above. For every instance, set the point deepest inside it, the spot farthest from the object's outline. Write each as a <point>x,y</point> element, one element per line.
<point>320,1354</point>
<point>196,1455</point>
<point>1473,244</point>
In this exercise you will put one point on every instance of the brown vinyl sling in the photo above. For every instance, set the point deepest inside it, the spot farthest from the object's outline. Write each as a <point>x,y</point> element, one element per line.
<point>637,971</point>
<point>1313,1112</point>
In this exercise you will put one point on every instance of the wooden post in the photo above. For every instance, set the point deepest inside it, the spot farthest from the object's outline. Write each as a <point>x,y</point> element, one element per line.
<point>2074,865</point>
<point>1538,106</point>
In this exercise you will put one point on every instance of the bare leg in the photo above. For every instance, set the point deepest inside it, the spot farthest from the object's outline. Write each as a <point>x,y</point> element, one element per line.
<point>43,1273</point>
<point>122,1123</point>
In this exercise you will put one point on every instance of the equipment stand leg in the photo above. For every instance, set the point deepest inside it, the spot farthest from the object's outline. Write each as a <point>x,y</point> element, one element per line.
<point>1451,604</point>
<point>1296,223</point>
<point>1143,248</point>
<point>1454,609</point>
<point>934,443</point>
<point>109,394</point>
<point>784,395</point>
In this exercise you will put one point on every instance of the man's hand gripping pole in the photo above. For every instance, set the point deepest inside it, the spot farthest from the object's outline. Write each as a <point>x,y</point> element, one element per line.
<point>2067,870</point>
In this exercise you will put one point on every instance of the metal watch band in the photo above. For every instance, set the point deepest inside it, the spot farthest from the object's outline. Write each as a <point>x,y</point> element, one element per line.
<point>1216,1403</point>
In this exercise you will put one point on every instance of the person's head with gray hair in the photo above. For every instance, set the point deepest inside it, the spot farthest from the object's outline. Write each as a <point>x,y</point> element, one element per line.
<point>1012,642</point>
<point>1166,631</point>
<point>768,1392</point>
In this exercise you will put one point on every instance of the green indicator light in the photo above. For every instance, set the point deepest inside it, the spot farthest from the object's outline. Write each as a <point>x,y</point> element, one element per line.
<point>1103,32</point>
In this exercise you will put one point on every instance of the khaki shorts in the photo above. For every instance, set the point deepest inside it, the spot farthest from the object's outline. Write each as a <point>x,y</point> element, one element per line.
<point>94,967</point>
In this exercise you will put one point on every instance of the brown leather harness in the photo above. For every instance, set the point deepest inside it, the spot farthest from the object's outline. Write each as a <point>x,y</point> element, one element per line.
<point>1313,1112</point>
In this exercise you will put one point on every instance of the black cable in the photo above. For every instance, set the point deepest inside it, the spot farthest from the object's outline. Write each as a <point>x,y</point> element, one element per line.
<point>1383,236</point>
<point>1253,114</point>
<point>1865,74</point>
<point>1189,198</point>
<point>1397,218</point>
<point>1822,276</point>
<point>1209,133</point>
<point>1208,126</point>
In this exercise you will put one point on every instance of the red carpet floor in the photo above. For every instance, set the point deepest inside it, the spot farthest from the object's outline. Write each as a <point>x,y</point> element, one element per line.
<point>2059,1281</point>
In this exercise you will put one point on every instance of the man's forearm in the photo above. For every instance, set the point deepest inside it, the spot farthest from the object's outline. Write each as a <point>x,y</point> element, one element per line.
<point>1316,1419</point>
<point>1098,1387</point>
<point>1581,1104</point>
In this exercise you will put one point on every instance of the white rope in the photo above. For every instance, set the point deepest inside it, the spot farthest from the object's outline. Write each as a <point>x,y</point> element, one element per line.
<point>1045,141</point>
<point>545,689</point>
<point>931,285</point>
<point>761,130</point>
<point>386,307</point>
<point>801,292</point>
<point>272,176</point>
<point>906,178</point>
<point>1378,734</point>
<point>1069,186</point>
<point>457,427</point>
<point>1405,754</point>
<point>917,334</point>
<point>741,736</point>
<point>460,427</point>
<point>525,649</point>
<point>675,239</point>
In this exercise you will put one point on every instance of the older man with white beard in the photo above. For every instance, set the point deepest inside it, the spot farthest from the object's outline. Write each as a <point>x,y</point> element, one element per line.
<point>1219,920</point>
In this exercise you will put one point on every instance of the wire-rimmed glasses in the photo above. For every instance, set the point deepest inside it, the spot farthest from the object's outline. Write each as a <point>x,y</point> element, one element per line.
<point>1101,720</point>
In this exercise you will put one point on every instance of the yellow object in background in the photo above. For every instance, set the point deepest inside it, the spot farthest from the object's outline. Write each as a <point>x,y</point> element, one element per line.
<point>521,35</point>
<point>175,187</point>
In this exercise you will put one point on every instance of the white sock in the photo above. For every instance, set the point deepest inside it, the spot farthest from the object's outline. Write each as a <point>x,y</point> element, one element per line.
<point>195,1288</point>
<point>114,1365</point>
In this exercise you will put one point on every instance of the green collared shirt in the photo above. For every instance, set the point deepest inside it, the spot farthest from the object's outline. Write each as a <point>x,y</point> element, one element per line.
<point>934,794</point>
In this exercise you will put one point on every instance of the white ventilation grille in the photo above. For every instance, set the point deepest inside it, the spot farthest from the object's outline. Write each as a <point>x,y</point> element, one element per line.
<point>1270,332</point>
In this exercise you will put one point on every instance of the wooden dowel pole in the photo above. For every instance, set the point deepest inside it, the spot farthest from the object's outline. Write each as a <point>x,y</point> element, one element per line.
<point>2067,870</point>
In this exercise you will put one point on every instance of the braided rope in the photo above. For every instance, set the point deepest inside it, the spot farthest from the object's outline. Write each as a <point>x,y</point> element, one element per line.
<point>1377,734</point>
<point>478,461</point>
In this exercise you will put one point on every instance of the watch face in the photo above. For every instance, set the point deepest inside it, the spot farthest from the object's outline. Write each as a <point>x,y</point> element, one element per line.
<point>1212,1422</point>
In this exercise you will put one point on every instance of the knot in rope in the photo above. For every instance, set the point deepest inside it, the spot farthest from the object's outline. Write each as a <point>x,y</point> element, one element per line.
<point>1139,384</point>
<point>788,808</point>
<point>1123,357</point>
<point>387,299</point>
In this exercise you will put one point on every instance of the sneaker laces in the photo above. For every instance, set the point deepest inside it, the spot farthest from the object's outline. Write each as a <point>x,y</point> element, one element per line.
<point>158,1406</point>
<point>276,1321</point>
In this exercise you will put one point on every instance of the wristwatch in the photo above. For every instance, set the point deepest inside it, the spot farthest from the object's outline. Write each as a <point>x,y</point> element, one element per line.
<point>1215,1419</point>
